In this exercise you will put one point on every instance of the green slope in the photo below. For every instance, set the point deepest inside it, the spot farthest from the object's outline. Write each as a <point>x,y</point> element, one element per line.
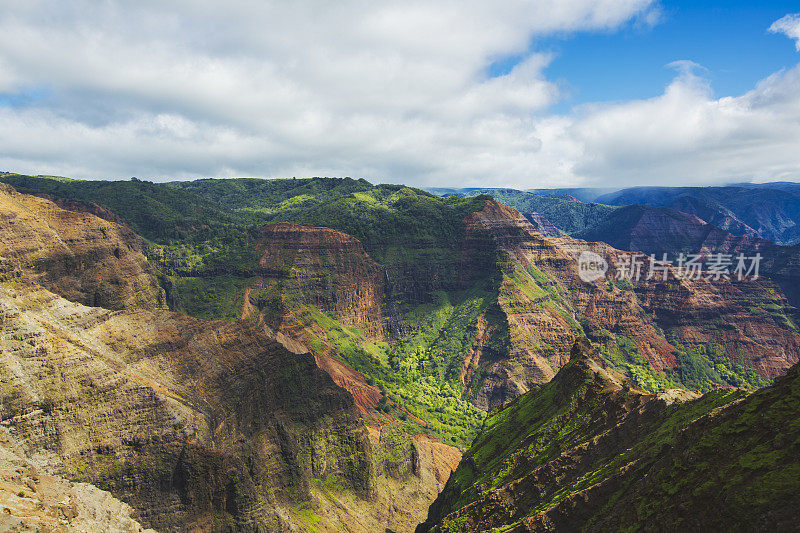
<point>588,452</point>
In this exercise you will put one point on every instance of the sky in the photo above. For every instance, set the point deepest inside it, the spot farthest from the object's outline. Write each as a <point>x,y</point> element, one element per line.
<point>462,93</point>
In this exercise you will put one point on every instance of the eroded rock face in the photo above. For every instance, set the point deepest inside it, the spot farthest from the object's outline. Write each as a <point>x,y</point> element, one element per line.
<point>321,267</point>
<point>310,269</point>
<point>542,306</point>
<point>33,500</point>
<point>548,306</point>
<point>543,299</point>
<point>75,254</point>
<point>193,423</point>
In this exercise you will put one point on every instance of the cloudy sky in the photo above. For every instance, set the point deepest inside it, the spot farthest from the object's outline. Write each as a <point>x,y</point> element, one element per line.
<point>517,93</point>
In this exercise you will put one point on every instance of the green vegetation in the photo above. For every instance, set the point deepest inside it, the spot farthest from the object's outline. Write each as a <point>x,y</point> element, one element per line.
<point>425,391</point>
<point>154,211</point>
<point>739,456</point>
<point>212,297</point>
<point>203,227</point>
<point>380,216</point>
<point>442,332</point>
<point>623,354</point>
<point>536,424</point>
<point>304,511</point>
<point>705,367</point>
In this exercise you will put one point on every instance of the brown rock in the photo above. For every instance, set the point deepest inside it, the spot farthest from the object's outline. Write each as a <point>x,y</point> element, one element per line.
<point>548,306</point>
<point>77,255</point>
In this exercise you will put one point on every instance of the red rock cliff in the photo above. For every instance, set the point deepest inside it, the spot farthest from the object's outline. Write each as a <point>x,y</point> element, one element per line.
<point>321,267</point>
<point>547,306</point>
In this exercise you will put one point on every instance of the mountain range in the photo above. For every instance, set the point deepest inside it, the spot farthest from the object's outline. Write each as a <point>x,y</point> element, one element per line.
<point>770,210</point>
<point>317,354</point>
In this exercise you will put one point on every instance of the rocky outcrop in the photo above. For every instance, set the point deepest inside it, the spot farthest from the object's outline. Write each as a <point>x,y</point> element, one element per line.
<point>413,470</point>
<point>32,500</point>
<point>306,274</point>
<point>698,312</point>
<point>590,452</point>
<point>75,254</point>
<point>660,230</point>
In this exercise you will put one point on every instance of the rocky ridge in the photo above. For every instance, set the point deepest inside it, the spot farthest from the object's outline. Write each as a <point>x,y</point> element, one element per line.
<point>588,451</point>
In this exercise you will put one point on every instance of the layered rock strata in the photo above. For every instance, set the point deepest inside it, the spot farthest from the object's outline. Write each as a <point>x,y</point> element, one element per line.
<point>82,257</point>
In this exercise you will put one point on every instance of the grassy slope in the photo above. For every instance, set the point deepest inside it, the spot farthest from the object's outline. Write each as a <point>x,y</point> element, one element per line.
<point>666,469</point>
<point>407,372</point>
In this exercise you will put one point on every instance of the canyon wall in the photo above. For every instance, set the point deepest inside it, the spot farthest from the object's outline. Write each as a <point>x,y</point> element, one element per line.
<point>197,424</point>
<point>548,306</point>
<point>82,257</point>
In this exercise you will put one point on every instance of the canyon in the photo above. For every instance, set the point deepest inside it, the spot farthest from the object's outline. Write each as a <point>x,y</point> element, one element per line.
<point>318,354</point>
<point>193,423</point>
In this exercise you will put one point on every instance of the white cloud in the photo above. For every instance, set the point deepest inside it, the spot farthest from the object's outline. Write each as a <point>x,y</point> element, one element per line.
<point>789,26</point>
<point>687,136</point>
<point>390,91</point>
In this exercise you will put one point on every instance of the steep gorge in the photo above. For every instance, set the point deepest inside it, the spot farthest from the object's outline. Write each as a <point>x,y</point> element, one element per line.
<point>194,423</point>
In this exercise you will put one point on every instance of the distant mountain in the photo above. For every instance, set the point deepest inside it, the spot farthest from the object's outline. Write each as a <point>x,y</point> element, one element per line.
<point>661,230</point>
<point>565,212</point>
<point>452,191</point>
<point>584,194</point>
<point>590,452</point>
<point>767,210</point>
<point>658,230</point>
<point>770,211</point>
